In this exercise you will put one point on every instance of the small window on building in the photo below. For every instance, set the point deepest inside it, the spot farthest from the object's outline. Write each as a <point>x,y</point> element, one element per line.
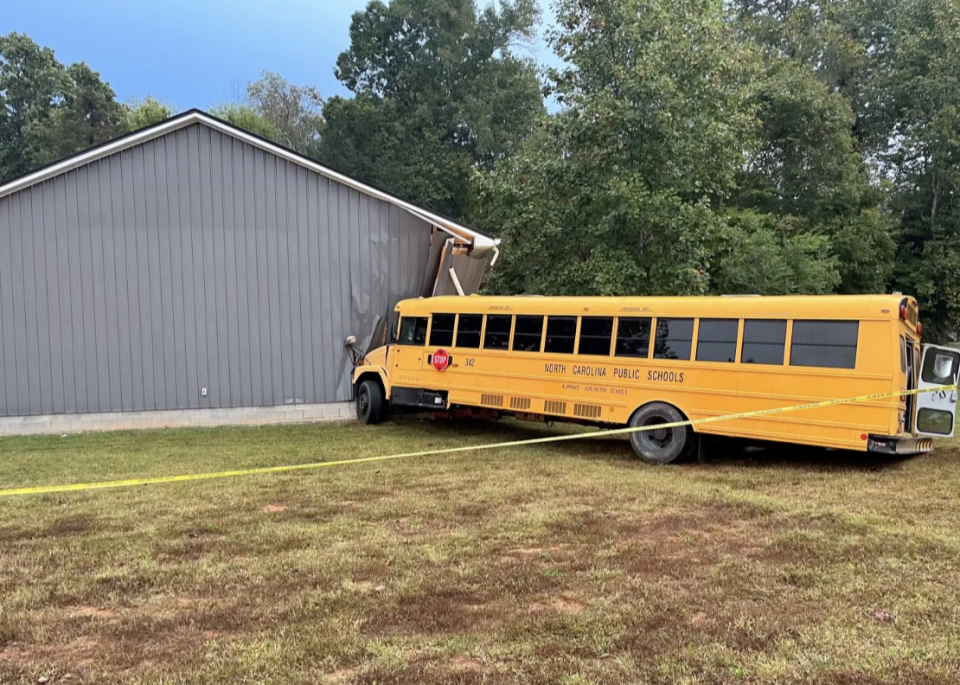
<point>468,330</point>
<point>561,334</point>
<point>596,334</point>
<point>413,330</point>
<point>829,344</point>
<point>441,333</point>
<point>529,332</point>
<point>763,342</point>
<point>633,338</point>
<point>497,336</point>
<point>674,339</point>
<point>717,340</point>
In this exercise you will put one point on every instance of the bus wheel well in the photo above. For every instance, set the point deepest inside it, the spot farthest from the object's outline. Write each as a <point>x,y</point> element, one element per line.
<point>684,414</point>
<point>369,376</point>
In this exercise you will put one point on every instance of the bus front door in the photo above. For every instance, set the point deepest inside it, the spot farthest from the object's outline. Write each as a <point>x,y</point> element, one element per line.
<point>408,353</point>
<point>937,409</point>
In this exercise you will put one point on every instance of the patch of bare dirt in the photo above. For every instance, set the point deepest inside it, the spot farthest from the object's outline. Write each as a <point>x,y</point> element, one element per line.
<point>338,677</point>
<point>562,605</point>
<point>449,611</point>
<point>77,654</point>
<point>93,612</point>
<point>274,508</point>
<point>462,665</point>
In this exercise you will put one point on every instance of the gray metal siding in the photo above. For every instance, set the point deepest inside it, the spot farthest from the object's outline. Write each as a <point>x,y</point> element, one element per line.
<point>194,260</point>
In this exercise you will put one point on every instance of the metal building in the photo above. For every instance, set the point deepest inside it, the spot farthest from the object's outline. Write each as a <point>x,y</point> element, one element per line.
<point>192,272</point>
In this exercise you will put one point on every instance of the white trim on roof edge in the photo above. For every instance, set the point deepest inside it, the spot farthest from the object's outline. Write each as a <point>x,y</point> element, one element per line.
<point>480,242</point>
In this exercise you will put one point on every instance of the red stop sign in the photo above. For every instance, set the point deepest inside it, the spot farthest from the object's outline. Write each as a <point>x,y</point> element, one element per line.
<point>441,360</point>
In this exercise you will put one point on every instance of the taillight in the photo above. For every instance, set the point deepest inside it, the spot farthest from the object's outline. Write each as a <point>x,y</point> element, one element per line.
<point>919,328</point>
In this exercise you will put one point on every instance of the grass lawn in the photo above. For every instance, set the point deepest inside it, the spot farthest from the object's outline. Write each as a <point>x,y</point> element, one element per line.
<point>570,563</point>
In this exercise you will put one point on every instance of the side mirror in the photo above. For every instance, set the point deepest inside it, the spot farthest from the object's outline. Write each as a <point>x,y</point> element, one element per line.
<point>393,332</point>
<point>350,341</point>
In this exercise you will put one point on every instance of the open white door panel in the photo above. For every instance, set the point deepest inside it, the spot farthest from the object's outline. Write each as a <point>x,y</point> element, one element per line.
<point>937,410</point>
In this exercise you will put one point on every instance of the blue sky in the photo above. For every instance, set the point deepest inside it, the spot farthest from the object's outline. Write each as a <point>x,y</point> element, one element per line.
<point>193,53</point>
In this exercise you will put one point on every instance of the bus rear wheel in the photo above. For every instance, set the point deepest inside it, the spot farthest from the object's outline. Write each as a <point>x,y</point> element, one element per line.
<point>660,445</point>
<point>370,402</point>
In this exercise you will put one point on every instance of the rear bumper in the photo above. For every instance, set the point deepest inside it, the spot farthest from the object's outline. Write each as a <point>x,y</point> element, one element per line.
<point>885,444</point>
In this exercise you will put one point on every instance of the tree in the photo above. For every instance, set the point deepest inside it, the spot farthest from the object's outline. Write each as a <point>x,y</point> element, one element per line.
<point>146,112</point>
<point>32,84</point>
<point>249,119</point>
<point>619,193</point>
<point>764,254</point>
<point>807,168</point>
<point>48,111</point>
<point>915,92</point>
<point>439,95</point>
<point>294,111</point>
<point>89,114</point>
<point>275,109</point>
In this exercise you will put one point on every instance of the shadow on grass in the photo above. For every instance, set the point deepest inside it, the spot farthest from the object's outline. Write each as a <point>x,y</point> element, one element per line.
<point>723,452</point>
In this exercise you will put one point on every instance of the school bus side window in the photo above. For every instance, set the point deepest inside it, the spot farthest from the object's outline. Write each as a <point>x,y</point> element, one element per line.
<point>596,333</point>
<point>674,339</point>
<point>717,340</point>
<point>763,342</point>
<point>441,334</point>
<point>561,334</point>
<point>633,337</point>
<point>497,336</point>
<point>413,330</point>
<point>829,344</point>
<point>468,330</point>
<point>529,332</point>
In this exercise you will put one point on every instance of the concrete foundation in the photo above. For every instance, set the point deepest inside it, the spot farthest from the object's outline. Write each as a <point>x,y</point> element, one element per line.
<point>177,418</point>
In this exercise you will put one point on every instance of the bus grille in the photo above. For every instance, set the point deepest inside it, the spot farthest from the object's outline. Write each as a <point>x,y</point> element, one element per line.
<point>519,402</point>
<point>491,400</point>
<point>554,407</point>
<point>588,411</point>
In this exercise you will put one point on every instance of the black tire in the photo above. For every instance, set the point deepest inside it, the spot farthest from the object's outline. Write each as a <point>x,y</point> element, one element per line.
<point>662,446</point>
<point>370,402</point>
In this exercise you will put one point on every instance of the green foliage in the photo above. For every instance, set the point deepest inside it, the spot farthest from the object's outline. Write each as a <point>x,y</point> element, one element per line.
<point>292,111</point>
<point>768,255</point>
<point>618,193</point>
<point>918,81</point>
<point>277,110</point>
<point>807,173</point>
<point>439,94</point>
<point>47,110</point>
<point>88,114</point>
<point>246,117</point>
<point>146,112</point>
<point>897,65</point>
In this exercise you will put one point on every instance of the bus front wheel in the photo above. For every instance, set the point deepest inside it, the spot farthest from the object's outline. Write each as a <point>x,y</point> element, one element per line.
<point>370,402</point>
<point>659,445</point>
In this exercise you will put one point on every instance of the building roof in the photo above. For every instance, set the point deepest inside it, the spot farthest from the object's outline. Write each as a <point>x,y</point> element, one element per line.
<point>461,234</point>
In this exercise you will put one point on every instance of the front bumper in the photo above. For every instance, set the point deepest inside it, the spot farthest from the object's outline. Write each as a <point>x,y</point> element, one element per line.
<point>885,444</point>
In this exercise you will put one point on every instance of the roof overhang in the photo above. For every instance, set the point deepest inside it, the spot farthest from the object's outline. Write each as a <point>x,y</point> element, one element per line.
<point>476,241</point>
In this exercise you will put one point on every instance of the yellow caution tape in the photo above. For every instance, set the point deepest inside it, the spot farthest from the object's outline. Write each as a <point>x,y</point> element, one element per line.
<point>48,489</point>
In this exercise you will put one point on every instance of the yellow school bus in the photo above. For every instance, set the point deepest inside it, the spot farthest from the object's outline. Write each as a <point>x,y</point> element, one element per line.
<point>644,361</point>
